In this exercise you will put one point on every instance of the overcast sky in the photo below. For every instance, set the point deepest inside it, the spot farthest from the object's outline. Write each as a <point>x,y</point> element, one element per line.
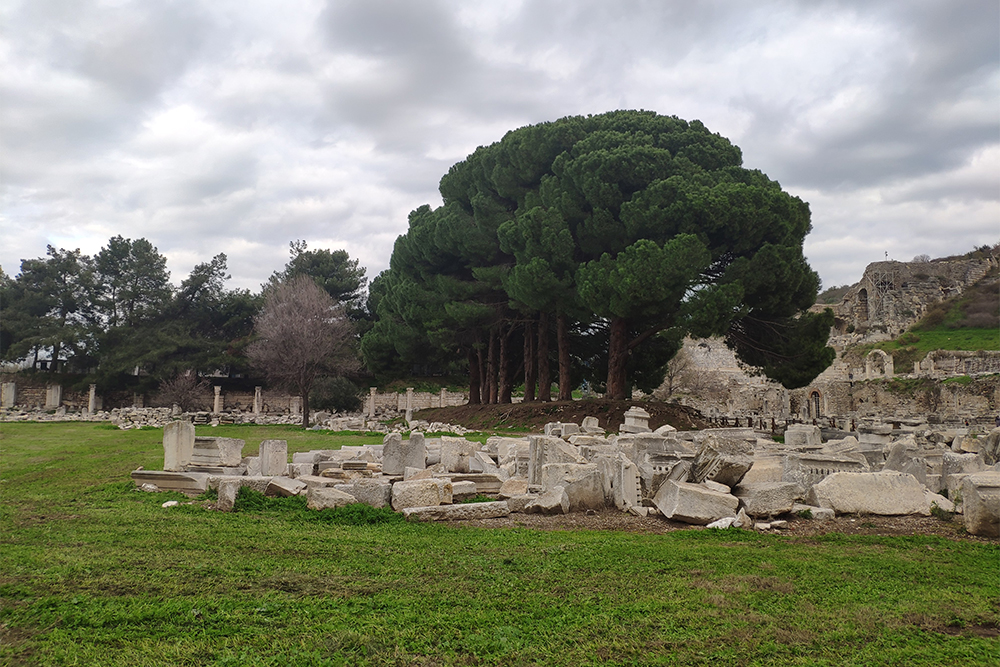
<point>238,126</point>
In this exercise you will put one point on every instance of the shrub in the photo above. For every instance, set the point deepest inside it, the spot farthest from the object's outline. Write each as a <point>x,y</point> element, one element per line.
<point>941,514</point>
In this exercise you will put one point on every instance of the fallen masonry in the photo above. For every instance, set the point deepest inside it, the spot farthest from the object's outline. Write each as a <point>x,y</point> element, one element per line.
<point>718,477</point>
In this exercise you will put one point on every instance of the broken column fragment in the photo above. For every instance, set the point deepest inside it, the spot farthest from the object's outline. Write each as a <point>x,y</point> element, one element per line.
<point>722,460</point>
<point>178,445</point>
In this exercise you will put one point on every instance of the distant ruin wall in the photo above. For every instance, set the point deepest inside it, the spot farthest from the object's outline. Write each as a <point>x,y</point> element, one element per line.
<point>30,393</point>
<point>892,296</point>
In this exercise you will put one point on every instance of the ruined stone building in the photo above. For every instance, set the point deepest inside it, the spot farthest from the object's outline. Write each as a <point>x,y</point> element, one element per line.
<point>891,297</point>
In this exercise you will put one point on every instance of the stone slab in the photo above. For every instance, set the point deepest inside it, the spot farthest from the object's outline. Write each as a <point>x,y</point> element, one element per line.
<point>465,512</point>
<point>882,493</point>
<point>693,503</point>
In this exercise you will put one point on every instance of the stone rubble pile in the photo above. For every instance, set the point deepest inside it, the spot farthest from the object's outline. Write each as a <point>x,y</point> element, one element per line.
<point>131,418</point>
<point>715,477</point>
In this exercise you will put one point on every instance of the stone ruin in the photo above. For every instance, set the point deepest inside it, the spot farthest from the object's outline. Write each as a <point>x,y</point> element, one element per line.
<point>717,477</point>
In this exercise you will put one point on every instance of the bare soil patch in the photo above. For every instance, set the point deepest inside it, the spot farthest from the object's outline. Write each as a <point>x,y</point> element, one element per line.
<point>534,416</point>
<point>610,519</point>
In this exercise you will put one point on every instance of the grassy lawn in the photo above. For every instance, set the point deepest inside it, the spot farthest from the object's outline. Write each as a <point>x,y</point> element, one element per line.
<point>93,572</point>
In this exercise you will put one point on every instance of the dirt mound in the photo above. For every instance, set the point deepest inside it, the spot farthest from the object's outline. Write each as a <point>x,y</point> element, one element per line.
<point>532,417</point>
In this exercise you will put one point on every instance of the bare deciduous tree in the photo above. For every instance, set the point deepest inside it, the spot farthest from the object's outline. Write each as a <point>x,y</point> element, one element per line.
<point>302,334</point>
<point>186,391</point>
<point>677,370</point>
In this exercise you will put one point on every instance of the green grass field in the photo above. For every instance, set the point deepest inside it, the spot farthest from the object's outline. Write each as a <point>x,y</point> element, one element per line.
<point>93,572</point>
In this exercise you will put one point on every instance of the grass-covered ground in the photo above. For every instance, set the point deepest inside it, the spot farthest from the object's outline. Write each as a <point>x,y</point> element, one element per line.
<point>93,572</point>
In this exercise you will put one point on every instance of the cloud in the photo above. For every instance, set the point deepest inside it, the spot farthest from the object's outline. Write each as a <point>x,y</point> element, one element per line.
<point>237,127</point>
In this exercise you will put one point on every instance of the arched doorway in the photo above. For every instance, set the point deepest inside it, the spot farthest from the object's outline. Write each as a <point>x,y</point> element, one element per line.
<point>862,311</point>
<point>814,405</point>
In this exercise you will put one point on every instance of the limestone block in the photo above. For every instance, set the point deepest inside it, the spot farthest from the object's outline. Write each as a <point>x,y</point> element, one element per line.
<point>884,493</point>
<point>466,512</point>
<point>715,486</point>
<point>896,458</point>
<point>935,499</point>
<point>768,498</point>
<point>414,451</point>
<point>636,421</point>
<point>722,461</point>
<point>588,440</point>
<point>258,484</point>
<point>506,447</point>
<point>665,429</point>
<point>216,452</point>
<point>273,457</point>
<point>569,429</point>
<point>952,463</point>
<point>328,498</point>
<point>970,444</point>
<point>253,466</point>
<point>300,469</point>
<point>312,458</point>
<point>818,513</point>
<point>484,463</point>
<point>188,483</point>
<point>459,455</point>
<point>421,493</point>
<point>515,486</point>
<point>370,491</point>
<point>808,469</point>
<point>553,429</point>
<point>626,488</point>
<point>848,445</point>
<point>803,435</point>
<point>178,445</point>
<point>764,469</point>
<point>981,503</point>
<point>953,483</point>
<point>227,489</point>
<point>546,449</point>
<point>582,483</point>
<point>486,483</point>
<point>591,425</point>
<point>318,481</point>
<point>392,454</point>
<point>285,486</point>
<point>463,490</point>
<point>230,451</point>
<point>989,447</point>
<point>520,502</point>
<point>553,501</point>
<point>917,467</point>
<point>693,503</point>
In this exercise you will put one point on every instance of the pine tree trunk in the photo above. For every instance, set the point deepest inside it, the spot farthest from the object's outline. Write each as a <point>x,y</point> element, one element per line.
<point>544,372</point>
<point>506,380</point>
<point>530,375</point>
<point>474,379</point>
<point>491,366</point>
<point>617,359</point>
<point>562,341</point>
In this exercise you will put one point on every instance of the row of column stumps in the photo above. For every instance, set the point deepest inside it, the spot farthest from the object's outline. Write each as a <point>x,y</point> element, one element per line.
<point>372,391</point>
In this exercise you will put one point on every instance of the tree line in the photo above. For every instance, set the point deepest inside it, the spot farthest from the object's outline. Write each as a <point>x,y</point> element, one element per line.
<point>116,316</point>
<point>580,250</point>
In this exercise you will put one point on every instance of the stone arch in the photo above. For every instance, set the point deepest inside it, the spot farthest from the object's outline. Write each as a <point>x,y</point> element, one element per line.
<point>815,411</point>
<point>878,364</point>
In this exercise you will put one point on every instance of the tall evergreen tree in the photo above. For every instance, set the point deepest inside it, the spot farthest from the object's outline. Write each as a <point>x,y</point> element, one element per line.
<point>648,223</point>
